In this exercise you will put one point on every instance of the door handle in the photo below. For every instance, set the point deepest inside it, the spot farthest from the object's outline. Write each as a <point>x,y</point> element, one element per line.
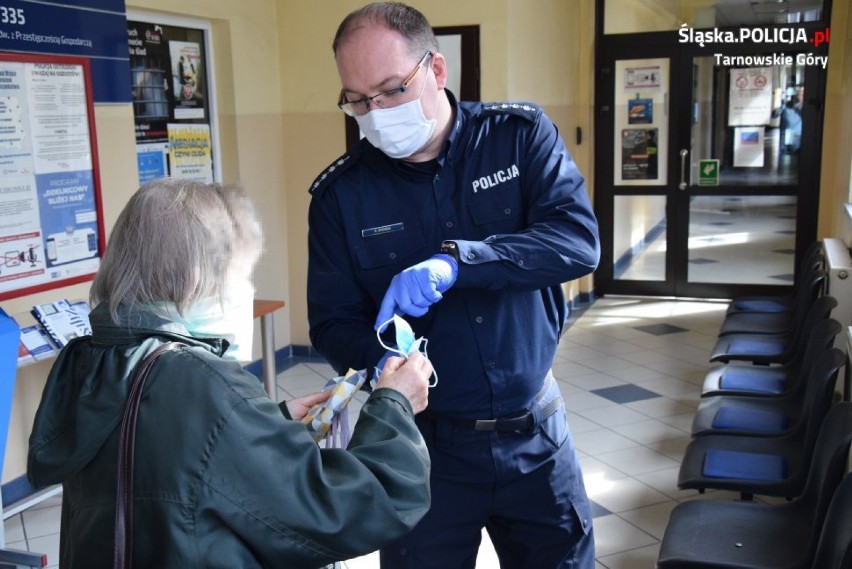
<point>683,153</point>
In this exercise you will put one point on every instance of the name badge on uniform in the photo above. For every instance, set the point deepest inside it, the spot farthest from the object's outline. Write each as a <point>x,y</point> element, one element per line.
<point>373,231</point>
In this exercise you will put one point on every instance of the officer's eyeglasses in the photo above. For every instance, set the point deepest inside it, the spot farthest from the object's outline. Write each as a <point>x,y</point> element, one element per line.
<point>385,99</point>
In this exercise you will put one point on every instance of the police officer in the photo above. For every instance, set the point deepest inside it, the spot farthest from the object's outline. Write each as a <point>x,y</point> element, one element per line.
<point>465,218</point>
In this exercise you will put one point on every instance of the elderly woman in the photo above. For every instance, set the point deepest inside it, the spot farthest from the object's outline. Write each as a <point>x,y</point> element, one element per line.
<point>223,476</point>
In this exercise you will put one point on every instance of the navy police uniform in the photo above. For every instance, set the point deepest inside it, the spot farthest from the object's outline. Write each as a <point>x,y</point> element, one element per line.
<point>507,192</point>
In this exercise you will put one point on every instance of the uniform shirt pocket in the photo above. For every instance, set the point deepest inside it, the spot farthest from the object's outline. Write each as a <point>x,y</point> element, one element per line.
<point>377,250</point>
<point>498,209</point>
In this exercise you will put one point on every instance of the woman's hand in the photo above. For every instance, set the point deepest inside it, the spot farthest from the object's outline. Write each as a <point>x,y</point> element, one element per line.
<point>411,378</point>
<point>300,406</point>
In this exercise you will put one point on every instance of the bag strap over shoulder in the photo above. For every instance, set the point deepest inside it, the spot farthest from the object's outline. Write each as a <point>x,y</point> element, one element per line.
<point>123,546</point>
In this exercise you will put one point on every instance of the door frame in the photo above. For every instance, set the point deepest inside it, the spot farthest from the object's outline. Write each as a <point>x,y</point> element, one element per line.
<point>666,45</point>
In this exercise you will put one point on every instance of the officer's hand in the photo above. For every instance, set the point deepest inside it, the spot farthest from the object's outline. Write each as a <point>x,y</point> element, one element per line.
<point>409,377</point>
<point>417,288</point>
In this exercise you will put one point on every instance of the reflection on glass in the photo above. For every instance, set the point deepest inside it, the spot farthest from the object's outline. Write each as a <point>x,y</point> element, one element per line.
<point>749,119</point>
<point>742,239</point>
<point>639,238</point>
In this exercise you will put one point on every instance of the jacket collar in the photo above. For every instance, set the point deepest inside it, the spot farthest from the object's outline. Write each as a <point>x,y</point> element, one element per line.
<point>134,324</point>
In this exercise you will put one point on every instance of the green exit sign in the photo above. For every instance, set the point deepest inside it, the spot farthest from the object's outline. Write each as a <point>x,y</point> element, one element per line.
<point>708,172</point>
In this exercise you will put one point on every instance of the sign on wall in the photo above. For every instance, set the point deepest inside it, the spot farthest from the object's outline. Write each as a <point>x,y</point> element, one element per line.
<point>88,28</point>
<point>51,225</point>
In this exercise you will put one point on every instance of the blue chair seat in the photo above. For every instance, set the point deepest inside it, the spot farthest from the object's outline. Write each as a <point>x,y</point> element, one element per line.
<point>759,380</point>
<point>744,465</point>
<point>766,421</point>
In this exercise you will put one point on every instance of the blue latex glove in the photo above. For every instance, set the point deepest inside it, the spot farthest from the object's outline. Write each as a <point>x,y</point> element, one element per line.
<point>417,288</point>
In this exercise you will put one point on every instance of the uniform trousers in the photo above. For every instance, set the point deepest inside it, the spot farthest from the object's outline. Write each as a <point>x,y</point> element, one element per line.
<point>525,488</point>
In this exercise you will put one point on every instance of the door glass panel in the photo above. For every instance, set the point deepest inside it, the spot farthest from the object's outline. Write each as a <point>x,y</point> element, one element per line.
<point>636,16</point>
<point>746,123</point>
<point>639,240</point>
<point>742,239</point>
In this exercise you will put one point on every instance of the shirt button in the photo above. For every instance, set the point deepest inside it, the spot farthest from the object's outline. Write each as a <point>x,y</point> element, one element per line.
<point>492,365</point>
<point>479,319</point>
<point>449,224</point>
<point>521,262</point>
<point>507,211</point>
<point>471,256</point>
<point>392,255</point>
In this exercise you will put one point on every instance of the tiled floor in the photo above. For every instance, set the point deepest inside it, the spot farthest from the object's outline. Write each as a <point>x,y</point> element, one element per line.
<point>736,239</point>
<point>630,370</point>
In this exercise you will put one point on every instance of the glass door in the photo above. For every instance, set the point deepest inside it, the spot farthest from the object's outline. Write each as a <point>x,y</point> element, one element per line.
<point>707,164</point>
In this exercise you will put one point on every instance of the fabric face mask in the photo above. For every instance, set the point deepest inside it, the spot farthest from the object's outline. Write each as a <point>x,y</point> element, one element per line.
<point>398,131</point>
<point>231,319</point>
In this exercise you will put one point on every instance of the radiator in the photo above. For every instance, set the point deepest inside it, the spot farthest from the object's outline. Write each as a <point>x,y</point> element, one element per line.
<point>839,266</point>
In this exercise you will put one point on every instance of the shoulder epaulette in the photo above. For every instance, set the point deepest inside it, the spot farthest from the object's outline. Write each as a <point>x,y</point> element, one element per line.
<point>525,110</point>
<point>331,172</point>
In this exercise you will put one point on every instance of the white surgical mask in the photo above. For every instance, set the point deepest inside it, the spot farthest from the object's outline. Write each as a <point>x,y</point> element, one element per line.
<point>231,319</point>
<point>398,131</point>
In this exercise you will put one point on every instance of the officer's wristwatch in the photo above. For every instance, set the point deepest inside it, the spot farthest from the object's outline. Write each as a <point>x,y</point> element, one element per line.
<point>450,248</point>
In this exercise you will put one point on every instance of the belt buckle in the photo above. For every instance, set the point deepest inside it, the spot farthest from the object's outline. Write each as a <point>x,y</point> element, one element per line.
<point>485,425</point>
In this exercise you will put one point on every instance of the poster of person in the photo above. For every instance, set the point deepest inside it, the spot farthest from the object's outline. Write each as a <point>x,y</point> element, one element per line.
<point>639,154</point>
<point>187,80</point>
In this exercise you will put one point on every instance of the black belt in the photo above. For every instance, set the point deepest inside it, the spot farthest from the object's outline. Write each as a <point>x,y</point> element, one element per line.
<point>507,424</point>
<point>521,423</point>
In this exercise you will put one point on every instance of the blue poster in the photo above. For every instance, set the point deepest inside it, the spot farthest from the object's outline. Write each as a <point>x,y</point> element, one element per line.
<point>68,216</point>
<point>152,165</point>
<point>640,111</point>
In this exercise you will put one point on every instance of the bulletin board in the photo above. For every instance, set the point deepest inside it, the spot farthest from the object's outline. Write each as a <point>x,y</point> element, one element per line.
<point>51,216</point>
<point>170,79</point>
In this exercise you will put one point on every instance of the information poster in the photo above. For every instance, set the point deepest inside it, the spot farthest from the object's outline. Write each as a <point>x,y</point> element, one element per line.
<point>50,225</point>
<point>748,146</point>
<point>750,100</point>
<point>169,86</point>
<point>639,159</point>
<point>189,152</point>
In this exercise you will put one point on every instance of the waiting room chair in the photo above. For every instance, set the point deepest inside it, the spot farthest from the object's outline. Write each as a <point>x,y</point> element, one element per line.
<point>771,381</point>
<point>768,416</point>
<point>715,534</point>
<point>834,550</point>
<point>813,260</point>
<point>809,290</point>
<point>769,349</point>
<point>768,465</point>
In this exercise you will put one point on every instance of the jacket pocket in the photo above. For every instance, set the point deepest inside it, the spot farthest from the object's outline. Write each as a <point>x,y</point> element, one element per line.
<point>391,249</point>
<point>499,209</point>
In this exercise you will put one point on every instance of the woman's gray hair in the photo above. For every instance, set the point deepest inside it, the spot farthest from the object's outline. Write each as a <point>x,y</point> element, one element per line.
<point>177,241</point>
<point>409,22</point>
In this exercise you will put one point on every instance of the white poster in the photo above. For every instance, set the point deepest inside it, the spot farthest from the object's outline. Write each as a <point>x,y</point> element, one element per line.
<point>190,156</point>
<point>748,147</point>
<point>49,227</point>
<point>750,100</point>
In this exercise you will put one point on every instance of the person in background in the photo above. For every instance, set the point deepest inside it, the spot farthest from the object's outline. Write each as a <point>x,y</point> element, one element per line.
<point>224,477</point>
<point>465,218</point>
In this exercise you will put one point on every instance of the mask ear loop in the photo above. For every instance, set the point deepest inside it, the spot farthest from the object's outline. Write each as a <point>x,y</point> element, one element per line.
<point>422,343</point>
